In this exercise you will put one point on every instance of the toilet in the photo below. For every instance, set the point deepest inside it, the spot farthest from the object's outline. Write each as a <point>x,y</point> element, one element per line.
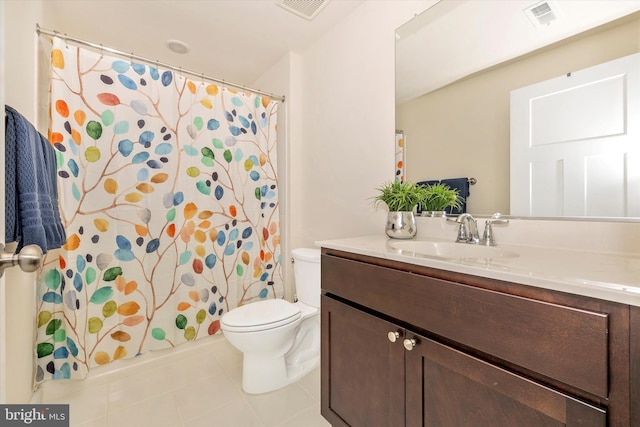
<point>280,341</point>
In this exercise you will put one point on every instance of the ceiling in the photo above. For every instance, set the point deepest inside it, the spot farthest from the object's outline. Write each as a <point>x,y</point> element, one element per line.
<point>234,40</point>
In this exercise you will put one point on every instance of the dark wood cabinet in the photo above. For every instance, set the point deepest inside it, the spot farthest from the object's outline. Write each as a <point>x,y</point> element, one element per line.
<point>454,389</point>
<point>366,381</point>
<point>412,346</point>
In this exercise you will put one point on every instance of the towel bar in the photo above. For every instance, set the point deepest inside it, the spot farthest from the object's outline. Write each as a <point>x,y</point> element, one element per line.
<point>29,259</point>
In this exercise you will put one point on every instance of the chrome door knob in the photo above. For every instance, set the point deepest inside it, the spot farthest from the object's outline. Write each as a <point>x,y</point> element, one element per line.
<point>409,344</point>
<point>29,259</point>
<point>393,336</point>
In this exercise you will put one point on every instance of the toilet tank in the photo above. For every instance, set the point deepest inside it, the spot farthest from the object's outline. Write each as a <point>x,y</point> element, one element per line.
<point>306,270</point>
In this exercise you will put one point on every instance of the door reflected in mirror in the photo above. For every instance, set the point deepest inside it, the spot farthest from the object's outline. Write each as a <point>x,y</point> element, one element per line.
<point>461,125</point>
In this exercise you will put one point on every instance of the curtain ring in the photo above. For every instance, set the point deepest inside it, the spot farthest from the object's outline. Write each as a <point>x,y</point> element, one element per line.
<point>101,50</point>
<point>202,77</point>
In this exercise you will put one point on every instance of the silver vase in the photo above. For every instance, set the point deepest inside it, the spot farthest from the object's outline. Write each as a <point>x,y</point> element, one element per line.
<point>401,225</point>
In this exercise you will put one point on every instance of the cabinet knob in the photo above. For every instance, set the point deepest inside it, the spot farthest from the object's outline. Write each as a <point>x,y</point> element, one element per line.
<point>393,336</point>
<point>409,344</point>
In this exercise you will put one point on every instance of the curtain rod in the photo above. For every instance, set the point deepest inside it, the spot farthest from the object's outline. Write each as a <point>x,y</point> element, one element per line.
<point>66,38</point>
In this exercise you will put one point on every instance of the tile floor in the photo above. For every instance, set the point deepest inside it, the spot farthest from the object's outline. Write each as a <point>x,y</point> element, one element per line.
<point>198,385</point>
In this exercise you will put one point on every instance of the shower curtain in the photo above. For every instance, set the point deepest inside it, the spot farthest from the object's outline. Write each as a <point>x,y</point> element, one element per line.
<point>399,155</point>
<point>169,196</point>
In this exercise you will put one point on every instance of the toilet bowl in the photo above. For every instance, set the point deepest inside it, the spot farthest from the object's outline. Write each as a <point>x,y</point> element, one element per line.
<point>280,341</point>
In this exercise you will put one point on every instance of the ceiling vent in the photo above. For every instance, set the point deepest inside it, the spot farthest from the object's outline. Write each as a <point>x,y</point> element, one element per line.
<point>307,9</point>
<point>543,13</point>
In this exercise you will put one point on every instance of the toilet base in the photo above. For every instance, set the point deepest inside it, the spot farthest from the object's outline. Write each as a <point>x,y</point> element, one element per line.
<point>275,358</point>
<point>260,375</point>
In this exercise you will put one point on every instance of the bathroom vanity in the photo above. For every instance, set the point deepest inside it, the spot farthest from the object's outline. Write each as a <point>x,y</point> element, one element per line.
<point>410,340</point>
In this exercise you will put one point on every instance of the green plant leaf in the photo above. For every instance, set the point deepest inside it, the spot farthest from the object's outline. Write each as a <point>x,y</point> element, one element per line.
<point>400,196</point>
<point>440,197</point>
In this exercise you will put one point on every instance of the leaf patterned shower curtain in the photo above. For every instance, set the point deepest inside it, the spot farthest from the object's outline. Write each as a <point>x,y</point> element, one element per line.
<point>399,155</point>
<point>169,196</point>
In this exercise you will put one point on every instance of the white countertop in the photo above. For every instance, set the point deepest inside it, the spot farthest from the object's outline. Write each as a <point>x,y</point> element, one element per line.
<point>608,276</point>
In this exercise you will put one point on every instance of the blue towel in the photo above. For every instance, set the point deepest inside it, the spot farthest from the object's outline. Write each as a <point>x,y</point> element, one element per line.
<point>460,184</point>
<point>31,192</point>
<point>425,183</point>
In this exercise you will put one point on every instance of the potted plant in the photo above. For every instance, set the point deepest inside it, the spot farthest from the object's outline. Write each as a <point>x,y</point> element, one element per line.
<point>401,198</point>
<point>439,197</point>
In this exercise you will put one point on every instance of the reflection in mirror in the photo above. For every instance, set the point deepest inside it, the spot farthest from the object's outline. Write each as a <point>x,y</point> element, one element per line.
<point>399,155</point>
<point>457,64</point>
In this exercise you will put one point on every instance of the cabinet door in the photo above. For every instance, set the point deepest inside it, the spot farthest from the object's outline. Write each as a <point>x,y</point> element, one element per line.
<point>448,388</point>
<point>362,370</point>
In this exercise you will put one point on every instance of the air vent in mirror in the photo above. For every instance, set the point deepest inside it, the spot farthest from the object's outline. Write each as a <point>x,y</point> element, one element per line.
<point>307,9</point>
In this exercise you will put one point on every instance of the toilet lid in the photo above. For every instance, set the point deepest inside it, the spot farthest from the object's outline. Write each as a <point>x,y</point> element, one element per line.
<point>262,315</point>
<point>306,254</point>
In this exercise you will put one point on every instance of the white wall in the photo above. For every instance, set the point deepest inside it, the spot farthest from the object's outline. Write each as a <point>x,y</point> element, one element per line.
<point>281,79</point>
<point>345,145</point>
<point>20,18</point>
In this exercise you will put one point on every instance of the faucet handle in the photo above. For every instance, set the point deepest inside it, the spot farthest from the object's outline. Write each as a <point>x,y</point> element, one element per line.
<point>487,237</point>
<point>497,219</point>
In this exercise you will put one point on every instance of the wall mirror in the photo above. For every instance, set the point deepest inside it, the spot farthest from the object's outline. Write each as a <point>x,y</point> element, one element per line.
<point>457,63</point>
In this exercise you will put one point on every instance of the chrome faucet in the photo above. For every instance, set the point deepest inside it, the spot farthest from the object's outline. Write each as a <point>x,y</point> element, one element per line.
<point>468,229</point>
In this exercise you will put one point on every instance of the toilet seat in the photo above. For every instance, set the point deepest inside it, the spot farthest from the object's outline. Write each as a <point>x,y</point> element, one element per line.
<point>260,316</point>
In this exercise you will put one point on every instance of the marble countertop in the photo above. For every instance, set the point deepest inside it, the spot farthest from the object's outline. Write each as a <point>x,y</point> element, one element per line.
<point>608,276</point>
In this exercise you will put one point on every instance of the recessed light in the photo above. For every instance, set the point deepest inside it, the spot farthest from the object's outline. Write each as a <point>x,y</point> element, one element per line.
<point>177,46</point>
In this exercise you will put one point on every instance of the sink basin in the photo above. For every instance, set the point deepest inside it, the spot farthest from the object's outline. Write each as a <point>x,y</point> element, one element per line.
<point>451,250</point>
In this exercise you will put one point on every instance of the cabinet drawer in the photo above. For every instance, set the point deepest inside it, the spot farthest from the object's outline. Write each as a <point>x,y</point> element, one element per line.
<point>458,390</point>
<point>566,344</point>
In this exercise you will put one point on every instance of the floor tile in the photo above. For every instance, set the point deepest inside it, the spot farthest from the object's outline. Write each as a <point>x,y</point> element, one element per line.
<point>237,413</point>
<point>98,422</point>
<point>311,383</point>
<point>207,393</point>
<point>308,418</point>
<point>158,411</point>
<point>190,386</point>
<point>278,406</point>
<point>86,404</point>
<point>137,387</point>
<point>194,368</point>
<point>226,353</point>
